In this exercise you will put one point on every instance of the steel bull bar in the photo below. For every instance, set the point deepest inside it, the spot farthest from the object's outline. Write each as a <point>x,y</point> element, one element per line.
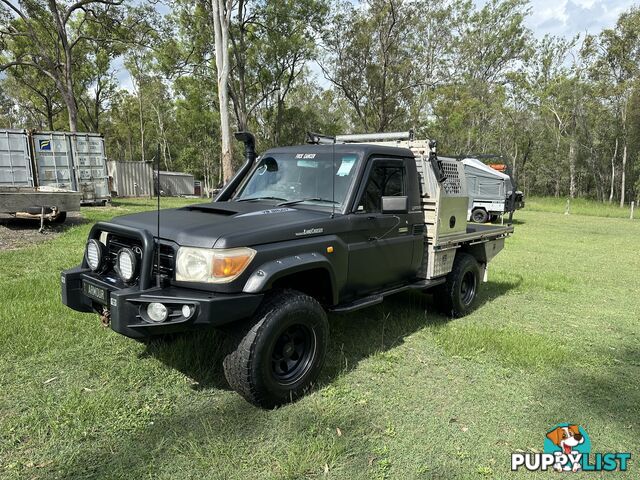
<point>126,307</point>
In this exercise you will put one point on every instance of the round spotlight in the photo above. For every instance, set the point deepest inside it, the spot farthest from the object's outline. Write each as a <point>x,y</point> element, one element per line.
<point>94,255</point>
<point>157,312</point>
<point>126,264</point>
<point>186,311</point>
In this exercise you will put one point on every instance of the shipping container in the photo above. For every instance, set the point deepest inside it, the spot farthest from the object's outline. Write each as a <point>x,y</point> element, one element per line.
<point>90,166</point>
<point>15,160</point>
<point>52,152</point>
<point>176,184</point>
<point>29,191</point>
<point>131,179</point>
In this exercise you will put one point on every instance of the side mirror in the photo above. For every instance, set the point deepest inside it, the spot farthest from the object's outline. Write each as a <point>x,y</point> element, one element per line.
<point>395,204</point>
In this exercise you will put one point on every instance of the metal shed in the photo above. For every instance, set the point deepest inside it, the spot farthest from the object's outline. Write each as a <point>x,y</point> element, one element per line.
<point>131,179</point>
<point>175,184</point>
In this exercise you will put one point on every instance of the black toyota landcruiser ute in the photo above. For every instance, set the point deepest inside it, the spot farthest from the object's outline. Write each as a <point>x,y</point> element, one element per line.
<point>298,232</point>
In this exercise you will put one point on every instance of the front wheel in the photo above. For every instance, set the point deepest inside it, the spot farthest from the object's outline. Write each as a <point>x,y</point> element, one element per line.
<point>455,298</point>
<point>282,352</point>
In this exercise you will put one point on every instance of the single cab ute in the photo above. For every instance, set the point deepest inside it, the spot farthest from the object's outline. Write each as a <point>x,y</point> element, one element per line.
<point>332,226</point>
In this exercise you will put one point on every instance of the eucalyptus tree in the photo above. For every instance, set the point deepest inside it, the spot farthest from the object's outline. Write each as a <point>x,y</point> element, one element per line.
<point>370,59</point>
<point>615,55</point>
<point>47,35</point>
<point>35,94</point>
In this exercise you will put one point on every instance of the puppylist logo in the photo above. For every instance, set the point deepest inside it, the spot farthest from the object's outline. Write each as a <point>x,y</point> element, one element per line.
<point>567,448</point>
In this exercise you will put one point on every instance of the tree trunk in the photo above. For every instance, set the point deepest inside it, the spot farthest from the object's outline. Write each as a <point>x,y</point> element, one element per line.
<point>572,166</point>
<point>141,120</point>
<point>221,32</point>
<point>613,172</point>
<point>72,110</point>
<point>623,173</point>
<point>49,108</point>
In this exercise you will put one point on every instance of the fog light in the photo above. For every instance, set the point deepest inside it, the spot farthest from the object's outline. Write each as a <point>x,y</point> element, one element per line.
<point>186,311</point>
<point>157,312</point>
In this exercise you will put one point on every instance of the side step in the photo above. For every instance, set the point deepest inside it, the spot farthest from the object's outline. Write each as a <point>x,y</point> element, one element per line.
<point>379,297</point>
<point>358,304</point>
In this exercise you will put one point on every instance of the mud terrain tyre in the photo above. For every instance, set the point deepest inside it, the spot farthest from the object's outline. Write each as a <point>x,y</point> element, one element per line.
<point>456,297</point>
<point>281,350</point>
<point>480,215</point>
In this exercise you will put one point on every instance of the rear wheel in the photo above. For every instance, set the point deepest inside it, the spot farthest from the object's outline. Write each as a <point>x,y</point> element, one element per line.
<point>456,297</point>
<point>281,350</point>
<point>479,215</point>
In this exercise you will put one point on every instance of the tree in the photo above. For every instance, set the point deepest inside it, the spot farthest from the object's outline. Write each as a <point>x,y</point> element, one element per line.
<point>45,36</point>
<point>220,17</point>
<point>36,94</point>
<point>370,59</point>
<point>616,63</point>
<point>271,44</point>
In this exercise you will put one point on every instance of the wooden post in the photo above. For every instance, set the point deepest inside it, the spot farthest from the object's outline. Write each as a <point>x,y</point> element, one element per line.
<point>633,204</point>
<point>566,210</point>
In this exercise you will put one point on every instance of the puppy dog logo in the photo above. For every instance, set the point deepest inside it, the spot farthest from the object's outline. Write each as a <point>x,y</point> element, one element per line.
<point>567,448</point>
<point>45,145</point>
<point>571,441</point>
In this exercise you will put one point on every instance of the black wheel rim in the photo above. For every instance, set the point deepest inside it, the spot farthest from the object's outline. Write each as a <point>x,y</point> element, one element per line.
<point>293,354</point>
<point>468,288</point>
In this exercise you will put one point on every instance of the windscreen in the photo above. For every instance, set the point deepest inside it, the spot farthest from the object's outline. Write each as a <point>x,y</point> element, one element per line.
<point>310,178</point>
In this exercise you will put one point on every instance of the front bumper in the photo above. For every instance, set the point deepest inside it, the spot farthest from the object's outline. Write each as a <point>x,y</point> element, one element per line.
<point>127,306</point>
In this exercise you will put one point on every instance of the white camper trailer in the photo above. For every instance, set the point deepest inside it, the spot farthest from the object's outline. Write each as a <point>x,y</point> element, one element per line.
<point>489,191</point>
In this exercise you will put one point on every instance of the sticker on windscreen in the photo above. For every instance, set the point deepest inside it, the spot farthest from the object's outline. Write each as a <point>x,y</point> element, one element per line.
<point>346,166</point>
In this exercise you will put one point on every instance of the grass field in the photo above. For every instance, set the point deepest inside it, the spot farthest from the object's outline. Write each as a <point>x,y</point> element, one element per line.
<point>580,206</point>
<point>405,393</point>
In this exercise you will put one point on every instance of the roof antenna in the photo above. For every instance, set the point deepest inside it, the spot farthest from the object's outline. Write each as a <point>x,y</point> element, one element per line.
<point>158,279</point>
<point>333,178</point>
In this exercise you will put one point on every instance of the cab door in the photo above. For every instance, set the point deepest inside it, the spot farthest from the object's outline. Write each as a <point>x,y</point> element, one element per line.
<point>380,244</point>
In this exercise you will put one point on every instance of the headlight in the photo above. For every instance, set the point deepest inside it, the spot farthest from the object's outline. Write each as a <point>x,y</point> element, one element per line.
<point>94,255</point>
<point>212,265</point>
<point>126,264</point>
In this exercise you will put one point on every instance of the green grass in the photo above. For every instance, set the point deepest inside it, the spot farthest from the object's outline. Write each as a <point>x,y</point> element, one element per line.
<point>405,392</point>
<point>580,206</point>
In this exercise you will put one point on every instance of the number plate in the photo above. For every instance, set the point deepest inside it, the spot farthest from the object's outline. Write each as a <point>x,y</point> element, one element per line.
<point>97,293</point>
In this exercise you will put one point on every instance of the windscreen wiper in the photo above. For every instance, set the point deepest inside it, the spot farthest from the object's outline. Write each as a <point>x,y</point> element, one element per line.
<point>293,202</point>
<point>260,198</point>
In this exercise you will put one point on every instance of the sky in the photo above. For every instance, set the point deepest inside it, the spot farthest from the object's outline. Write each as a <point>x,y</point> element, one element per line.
<point>565,18</point>
<point>570,17</point>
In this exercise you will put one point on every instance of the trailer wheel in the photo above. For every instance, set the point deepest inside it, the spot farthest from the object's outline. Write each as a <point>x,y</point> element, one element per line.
<point>480,215</point>
<point>455,298</point>
<point>281,350</point>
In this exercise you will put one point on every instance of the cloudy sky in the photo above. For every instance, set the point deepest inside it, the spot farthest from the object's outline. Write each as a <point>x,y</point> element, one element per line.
<point>569,17</point>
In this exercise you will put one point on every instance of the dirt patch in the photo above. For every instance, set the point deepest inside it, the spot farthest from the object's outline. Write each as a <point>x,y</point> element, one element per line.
<point>17,233</point>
